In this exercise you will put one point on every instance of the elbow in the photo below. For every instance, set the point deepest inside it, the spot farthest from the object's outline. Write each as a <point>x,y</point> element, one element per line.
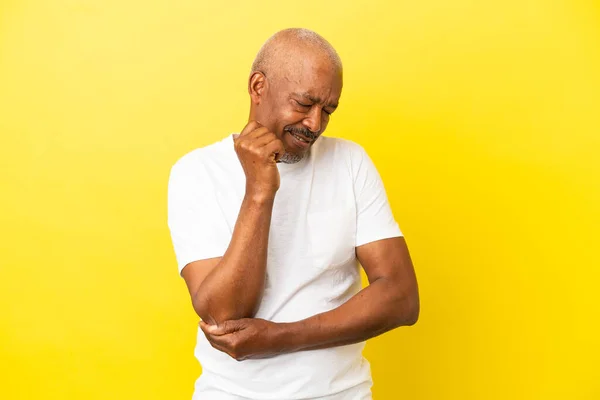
<point>407,310</point>
<point>202,310</point>
<point>413,315</point>
<point>216,315</point>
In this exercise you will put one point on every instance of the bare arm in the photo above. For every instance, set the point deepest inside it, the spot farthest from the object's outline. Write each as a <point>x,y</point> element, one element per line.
<point>391,300</point>
<point>231,287</point>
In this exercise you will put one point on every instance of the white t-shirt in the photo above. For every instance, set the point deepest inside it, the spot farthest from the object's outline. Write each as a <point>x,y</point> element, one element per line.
<point>327,204</point>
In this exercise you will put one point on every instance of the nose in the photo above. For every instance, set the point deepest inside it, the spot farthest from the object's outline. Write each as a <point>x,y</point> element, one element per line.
<point>313,120</point>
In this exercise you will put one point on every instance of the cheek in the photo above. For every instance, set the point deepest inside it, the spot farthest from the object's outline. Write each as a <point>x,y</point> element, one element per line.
<point>269,116</point>
<point>290,117</point>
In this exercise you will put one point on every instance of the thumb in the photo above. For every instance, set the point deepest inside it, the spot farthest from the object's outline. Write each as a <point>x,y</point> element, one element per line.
<point>226,327</point>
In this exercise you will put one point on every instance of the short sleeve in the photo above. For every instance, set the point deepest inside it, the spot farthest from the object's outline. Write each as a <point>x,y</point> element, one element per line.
<point>198,228</point>
<point>374,219</point>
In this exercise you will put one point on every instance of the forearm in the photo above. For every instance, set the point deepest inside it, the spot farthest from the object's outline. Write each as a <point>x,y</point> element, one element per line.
<point>234,288</point>
<point>376,309</point>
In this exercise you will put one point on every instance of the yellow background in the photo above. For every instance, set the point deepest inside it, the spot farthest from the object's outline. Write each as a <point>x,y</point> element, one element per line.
<point>482,117</point>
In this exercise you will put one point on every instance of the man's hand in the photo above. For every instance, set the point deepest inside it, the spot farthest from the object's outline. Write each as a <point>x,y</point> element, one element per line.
<point>244,338</point>
<point>258,150</point>
<point>391,300</point>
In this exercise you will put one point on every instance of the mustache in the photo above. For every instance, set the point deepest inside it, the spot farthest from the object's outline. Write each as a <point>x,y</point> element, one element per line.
<point>303,131</point>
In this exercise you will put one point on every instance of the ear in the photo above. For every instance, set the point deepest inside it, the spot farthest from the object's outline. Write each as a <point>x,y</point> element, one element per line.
<point>256,86</point>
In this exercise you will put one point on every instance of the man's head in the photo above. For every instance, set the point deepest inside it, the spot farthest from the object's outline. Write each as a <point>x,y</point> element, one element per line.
<point>295,84</point>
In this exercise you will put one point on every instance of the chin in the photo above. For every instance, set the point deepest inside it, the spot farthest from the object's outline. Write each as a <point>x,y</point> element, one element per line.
<point>291,158</point>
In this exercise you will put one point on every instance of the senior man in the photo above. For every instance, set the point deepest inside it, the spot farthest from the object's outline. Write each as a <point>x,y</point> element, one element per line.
<point>269,227</point>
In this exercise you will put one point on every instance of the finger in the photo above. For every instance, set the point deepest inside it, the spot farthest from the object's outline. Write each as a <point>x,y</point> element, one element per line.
<point>263,139</point>
<point>275,149</point>
<point>223,328</point>
<point>212,329</point>
<point>224,341</point>
<point>250,127</point>
<point>250,137</point>
<point>228,327</point>
<point>206,329</point>
<point>228,343</point>
<point>219,346</point>
<point>204,326</point>
<point>220,342</point>
<point>258,133</point>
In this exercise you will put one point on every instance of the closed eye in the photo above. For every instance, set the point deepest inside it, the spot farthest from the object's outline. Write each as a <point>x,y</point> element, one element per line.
<point>301,104</point>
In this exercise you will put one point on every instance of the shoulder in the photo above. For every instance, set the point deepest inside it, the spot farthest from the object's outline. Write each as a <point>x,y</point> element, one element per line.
<point>188,161</point>
<point>340,144</point>
<point>196,161</point>
<point>341,148</point>
<point>340,153</point>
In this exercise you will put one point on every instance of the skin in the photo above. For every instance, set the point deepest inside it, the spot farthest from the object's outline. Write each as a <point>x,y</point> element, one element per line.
<point>231,286</point>
<point>391,300</point>
<point>302,100</point>
<point>297,95</point>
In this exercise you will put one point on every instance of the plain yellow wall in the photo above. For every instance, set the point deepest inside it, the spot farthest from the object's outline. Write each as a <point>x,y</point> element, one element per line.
<point>482,116</point>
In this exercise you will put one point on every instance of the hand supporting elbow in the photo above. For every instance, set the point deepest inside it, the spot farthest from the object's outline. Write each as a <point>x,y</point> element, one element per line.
<point>215,309</point>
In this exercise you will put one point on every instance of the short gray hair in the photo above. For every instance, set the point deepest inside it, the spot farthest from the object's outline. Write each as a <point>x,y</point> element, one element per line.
<point>268,51</point>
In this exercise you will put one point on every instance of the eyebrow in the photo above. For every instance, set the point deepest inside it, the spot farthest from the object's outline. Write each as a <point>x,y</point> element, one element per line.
<point>314,99</point>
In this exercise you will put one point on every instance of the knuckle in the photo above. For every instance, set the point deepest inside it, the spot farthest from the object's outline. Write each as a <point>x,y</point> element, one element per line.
<point>246,146</point>
<point>256,146</point>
